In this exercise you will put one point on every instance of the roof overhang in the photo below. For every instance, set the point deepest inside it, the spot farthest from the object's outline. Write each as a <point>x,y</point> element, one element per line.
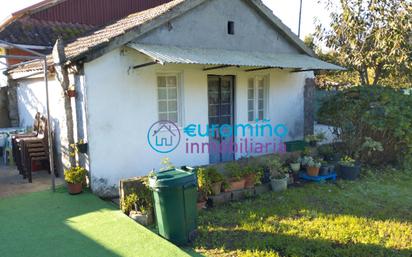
<point>162,54</point>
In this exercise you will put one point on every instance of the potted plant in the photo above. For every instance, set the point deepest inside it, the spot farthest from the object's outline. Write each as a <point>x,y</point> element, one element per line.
<point>304,161</point>
<point>204,187</point>
<point>71,91</point>
<point>253,174</point>
<point>313,167</point>
<point>278,175</point>
<point>82,146</point>
<point>327,152</point>
<point>324,168</point>
<point>236,180</point>
<point>75,177</point>
<point>348,168</point>
<point>295,164</point>
<point>141,201</point>
<point>313,140</point>
<point>216,180</point>
<point>279,179</point>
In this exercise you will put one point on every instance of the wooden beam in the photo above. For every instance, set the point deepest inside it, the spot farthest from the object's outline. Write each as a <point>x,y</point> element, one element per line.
<point>29,75</point>
<point>257,69</point>
<point>300,70</point>
<point>145,64</point>
<point>23,63</point>
<point>218,67</point>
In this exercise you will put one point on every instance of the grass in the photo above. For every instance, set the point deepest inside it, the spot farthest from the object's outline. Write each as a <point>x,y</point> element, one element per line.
<point>50,224</point>
<point>371,217</point>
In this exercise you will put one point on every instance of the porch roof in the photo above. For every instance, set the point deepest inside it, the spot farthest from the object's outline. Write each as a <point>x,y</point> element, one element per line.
<point>163,54</point>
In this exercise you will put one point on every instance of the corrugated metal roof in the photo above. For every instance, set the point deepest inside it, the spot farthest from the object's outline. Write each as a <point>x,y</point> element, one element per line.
<point>181,55</point>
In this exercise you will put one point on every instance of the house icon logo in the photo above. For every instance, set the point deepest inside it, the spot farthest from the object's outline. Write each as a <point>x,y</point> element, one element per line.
<point>164,136</point>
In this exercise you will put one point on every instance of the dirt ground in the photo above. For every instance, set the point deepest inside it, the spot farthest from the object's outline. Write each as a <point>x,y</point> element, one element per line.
<point>12,184</point>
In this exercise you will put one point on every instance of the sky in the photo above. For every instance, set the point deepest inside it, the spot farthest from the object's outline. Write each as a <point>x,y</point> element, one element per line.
<point>286,10</point>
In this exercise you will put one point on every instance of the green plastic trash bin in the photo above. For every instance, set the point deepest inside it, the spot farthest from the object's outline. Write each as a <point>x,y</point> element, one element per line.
<point>175,197</point>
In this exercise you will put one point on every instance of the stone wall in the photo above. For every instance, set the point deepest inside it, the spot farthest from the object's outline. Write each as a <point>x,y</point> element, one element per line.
<point>309,106</point>
<point>12,104</point>
<point>4,110</point>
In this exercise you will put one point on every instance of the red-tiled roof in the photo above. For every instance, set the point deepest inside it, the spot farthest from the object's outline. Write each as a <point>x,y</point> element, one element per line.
<point>105,34</point>
<point>29,31</point>
<point>120,27</point>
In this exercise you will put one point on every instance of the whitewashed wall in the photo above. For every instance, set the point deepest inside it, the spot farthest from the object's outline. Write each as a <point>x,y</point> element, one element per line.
<point>3,78</point>
<point>122,105</point>
<point>31,98</point>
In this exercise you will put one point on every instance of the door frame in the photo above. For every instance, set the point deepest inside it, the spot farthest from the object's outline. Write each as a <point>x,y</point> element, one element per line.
<point>233,110</point>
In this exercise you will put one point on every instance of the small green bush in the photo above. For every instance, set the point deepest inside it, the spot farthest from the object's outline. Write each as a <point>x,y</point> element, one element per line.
<point>234,171</point>
<point>129,202</point>
<point>347,161</point>
<point>203,182</point>
<point>75,175</point>
<point>205,178</point>
<point>141,199</point>
<point>215,176</point>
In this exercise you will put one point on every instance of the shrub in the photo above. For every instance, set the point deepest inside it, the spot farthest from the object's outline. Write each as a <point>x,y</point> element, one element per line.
<point>206,177</point>
<point>214,175</point>
<point>326,152</point>
<point>275,164</point>
<point>374,124</point>
<point>347,161</point>
<point>75,175</point>
<point>140,199</point>
<point>234,171</point>
<point>128,203</point>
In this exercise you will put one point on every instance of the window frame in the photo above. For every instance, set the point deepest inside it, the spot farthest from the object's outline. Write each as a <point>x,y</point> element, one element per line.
<point>256,99</point>
<point>179,97</point>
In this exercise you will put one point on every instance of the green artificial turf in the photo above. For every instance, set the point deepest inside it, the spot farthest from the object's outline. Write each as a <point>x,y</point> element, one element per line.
<point>371,217</point>
<point>47,224</point>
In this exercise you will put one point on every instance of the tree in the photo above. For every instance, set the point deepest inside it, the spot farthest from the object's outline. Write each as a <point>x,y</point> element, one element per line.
<point>330,79</point>
<point>372,38</point>
<point>62,76</point>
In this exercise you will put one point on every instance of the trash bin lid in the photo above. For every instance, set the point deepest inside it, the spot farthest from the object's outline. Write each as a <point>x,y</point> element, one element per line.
<point>172,178</point>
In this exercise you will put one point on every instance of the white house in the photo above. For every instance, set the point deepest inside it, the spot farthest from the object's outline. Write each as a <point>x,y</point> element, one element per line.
<point>193,62</point>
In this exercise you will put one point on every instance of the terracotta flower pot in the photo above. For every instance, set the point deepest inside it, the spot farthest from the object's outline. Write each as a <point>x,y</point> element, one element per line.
<point>75,189</point>
<point>250,180</point>
<point>216,188</point>
<point>313,171</point>
<point>237,185</point>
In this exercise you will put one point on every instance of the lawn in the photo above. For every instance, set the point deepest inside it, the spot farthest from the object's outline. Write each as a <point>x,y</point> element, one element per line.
<point>47,224</point>
<point>370,217</point>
